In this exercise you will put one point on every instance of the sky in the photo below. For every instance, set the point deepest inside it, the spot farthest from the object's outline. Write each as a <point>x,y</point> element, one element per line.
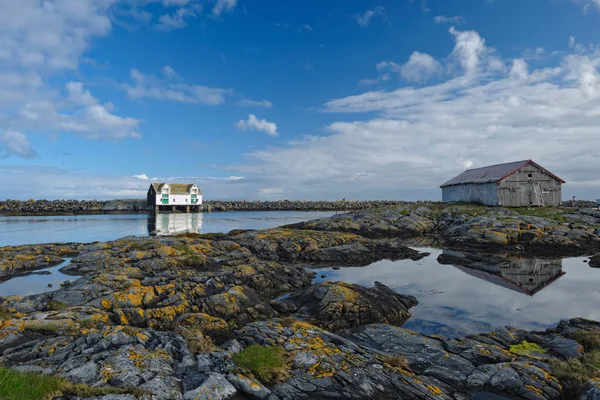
<point>310,100</point>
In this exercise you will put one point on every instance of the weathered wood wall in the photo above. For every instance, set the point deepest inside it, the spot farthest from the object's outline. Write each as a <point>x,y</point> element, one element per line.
<point>484,193</point>
<point>517,189</point>
<point>532,274</point>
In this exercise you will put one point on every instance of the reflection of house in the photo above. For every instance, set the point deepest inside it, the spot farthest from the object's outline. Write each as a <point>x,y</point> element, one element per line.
<point>515,184</point>
<point>524,275</point>
<point>174,195</point>
<point>174,224</point>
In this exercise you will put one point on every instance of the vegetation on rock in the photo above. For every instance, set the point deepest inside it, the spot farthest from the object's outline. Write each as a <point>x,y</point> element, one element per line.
<point>266,363</point>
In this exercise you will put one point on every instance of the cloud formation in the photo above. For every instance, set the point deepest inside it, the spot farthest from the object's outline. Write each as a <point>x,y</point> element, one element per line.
<point>259,125</point>
<point>224,6</point>
<point>172,88</point>
<point>364,19</point>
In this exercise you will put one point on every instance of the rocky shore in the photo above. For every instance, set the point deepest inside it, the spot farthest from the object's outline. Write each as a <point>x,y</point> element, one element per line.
<point>239,316</point>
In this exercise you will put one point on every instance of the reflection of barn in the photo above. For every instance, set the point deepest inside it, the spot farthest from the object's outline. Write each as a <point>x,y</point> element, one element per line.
<point>175,224</point>
<point>523,275</point>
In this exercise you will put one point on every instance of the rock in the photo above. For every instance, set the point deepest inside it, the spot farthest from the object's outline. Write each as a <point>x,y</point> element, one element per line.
<point>595,261</point>
<point>215,387</point>
<point>248,386</point>
<point>339,305</point>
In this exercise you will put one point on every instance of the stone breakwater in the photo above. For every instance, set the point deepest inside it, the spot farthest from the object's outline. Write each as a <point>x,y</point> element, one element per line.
<point>49,207</point>
<point>184,317</point>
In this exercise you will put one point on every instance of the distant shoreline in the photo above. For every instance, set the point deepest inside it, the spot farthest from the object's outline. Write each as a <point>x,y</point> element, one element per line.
<point>139,206</point>
<point>99,207</point>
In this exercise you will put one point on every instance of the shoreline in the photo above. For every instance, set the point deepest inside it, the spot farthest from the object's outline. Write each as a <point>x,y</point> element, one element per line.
<point>15,208</point>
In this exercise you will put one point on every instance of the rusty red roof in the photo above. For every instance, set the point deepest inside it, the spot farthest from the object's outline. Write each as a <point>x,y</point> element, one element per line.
<point>494,173</point>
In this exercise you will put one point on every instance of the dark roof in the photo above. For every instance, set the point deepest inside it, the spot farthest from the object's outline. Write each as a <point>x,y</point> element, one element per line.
<point>494,173</point>
<point>176,188</point>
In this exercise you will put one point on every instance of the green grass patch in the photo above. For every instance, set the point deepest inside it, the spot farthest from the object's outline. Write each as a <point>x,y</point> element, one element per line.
<point>590,340</point>
<point>552,213</point>
<point>267,363</point>
<point>194,261</point>
<point>184,248</point>
<point>528,349</point>
<point>29,386</point>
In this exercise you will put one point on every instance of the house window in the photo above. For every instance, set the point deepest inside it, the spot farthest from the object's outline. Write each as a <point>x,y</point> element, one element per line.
<point>530,176</point>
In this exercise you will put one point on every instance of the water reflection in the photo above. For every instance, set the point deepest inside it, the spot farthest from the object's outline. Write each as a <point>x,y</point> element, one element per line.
<point>494,291</point>
<point>174,224</point>
<point>41,281</point>
<point>524,275</point>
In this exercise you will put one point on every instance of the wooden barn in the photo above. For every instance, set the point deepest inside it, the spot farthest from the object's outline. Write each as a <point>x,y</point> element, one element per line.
<point>515,184</point>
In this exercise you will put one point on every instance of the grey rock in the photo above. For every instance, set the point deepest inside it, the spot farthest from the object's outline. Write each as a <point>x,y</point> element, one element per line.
<point>248,386</point>
<point>304,359</point>
<point>87,373</point>
<point>215,387</point>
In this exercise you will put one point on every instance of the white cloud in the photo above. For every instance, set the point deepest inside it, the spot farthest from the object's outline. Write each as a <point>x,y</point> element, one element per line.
<point>254,103</point>
<point>455,20</point>
<point>365,19</point>
<point>17,144</point>
<point>376,81</point>
<point>178,19</point>
<point>142,177</point>
<point>420,137</point>
<point>519,69</point>
<point>260,125</point>
<point>172,89</point>
<point>469,50</point>
<point>224,6</point>
<point>420,67</point>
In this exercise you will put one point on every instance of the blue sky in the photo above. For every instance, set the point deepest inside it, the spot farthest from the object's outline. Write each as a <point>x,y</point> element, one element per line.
<point>301,100</point>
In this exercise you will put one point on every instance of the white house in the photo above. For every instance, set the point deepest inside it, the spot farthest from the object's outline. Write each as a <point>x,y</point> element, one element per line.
<point>174,194</point>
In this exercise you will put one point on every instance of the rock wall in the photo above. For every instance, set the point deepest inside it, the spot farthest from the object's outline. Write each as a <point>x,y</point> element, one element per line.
<point>37,207</point>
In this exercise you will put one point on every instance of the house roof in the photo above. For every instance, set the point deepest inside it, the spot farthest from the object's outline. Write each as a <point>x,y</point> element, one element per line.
<point>175,188</point>
<point>494,173</point>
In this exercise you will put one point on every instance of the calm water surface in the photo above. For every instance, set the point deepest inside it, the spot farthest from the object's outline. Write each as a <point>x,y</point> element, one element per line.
<point>36,283</point>
<point>456,300</point>
<point>89,228</point>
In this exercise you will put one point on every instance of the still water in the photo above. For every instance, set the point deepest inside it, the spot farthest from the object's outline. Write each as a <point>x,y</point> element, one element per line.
<point>455,300</point>
<point>90,228</point>
<point>43,280</point>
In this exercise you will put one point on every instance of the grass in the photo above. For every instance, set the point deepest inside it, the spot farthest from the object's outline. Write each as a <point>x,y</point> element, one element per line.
<point>184,248</point>
<point>55,305</point>
<point>553,213</point>
<point>288,321</point>
<point>29,386</point>
<point>397,361</point>
<point>575,374</point>
<point>266,363</point>
<point>193,261</point>
<point>88,323</point>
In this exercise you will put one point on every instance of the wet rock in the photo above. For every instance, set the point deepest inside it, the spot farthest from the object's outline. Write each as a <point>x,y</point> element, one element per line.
<point>339,305</point>
<point>595,261</point>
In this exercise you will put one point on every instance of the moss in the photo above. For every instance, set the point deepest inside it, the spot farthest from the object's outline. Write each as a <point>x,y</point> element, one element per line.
<point>528,349</point>
<point>197,342</point>
<point>288,321</point>
<point>28,386</point>
<point>266,363</point>
<point>45,328</point>
<point>55,305</point>
<point>193,261</point>
<point>88,323</point>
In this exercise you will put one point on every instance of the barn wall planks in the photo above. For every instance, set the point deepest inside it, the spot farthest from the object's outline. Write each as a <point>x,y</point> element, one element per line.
<point>517,190</point>
<point>483,193</point>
